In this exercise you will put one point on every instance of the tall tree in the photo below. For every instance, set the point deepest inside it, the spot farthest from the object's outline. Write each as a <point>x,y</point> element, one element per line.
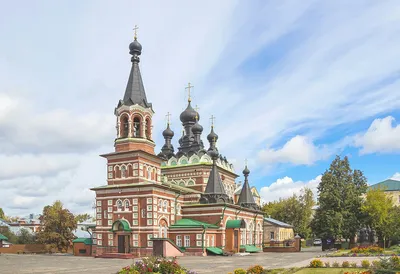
<point>80,218</point>
<point>381,213</point>
<point>57,226</point>
<point>339,213</point>
<point>26,237</point>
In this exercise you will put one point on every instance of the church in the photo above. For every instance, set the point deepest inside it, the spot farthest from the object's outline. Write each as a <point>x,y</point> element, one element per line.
<point>187,197</point>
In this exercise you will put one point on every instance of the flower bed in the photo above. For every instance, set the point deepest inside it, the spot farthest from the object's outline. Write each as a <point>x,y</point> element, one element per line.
<point>155,265</point>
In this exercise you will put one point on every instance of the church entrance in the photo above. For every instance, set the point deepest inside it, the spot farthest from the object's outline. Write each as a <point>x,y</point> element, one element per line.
<point>123,243</point>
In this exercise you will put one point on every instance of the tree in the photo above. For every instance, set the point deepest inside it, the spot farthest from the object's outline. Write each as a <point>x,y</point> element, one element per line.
<point>26,237</point>
<point>80,218</point>
<point>381,213</point>
<point>340,196</point>
<point>57,226</point>
<point>295,210</point>
<point>1,213</point>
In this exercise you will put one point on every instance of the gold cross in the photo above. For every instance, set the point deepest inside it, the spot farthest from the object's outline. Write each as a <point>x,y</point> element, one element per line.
<point>212,120</point>
<point>168,115</point>
<point>135,29</point>
<point>197,114</point>
<point>188,88</point>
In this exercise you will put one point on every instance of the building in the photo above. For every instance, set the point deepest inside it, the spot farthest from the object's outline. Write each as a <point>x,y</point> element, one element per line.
<point>391,188</point>
<point>275,230</point>
<point>185,197</point>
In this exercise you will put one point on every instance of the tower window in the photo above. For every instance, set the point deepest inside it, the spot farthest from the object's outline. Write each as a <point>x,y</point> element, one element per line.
<point>125,127</point>
<point>123,172</point>
<point>119,205</point>
<point>136,127</point>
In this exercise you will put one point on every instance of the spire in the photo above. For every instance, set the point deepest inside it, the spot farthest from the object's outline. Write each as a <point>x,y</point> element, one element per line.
<point>167,151</point>
<point>212,137</point>
<point>246,198</point>
<point>135,93</point>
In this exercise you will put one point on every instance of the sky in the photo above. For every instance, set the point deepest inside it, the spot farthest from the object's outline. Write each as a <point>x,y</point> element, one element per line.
<point>291,84</point>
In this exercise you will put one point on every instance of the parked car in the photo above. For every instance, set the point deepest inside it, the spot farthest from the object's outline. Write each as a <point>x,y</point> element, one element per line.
<point>317,242</point>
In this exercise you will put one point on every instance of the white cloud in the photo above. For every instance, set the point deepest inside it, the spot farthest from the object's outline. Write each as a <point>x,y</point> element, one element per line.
<point>396,176</point>
<point>286,187</point>
<point>299,150</point>
<point>383,136</point>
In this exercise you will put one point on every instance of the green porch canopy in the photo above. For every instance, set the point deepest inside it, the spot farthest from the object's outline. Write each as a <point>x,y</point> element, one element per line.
<point>190,223</point>
<point>120,225</point>
<point>215,250</point>
<point>86,241</point>
<point>2,237</point>
<point>236,224</point>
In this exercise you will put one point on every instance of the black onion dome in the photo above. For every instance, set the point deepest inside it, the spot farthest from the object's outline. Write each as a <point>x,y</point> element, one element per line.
<point>213,153</point>
<point>197,128</point>
<point>212,136</point>
<point>135,48</point>
<point>168,132</point>
<point>189,114</point>
<point>246,171</point>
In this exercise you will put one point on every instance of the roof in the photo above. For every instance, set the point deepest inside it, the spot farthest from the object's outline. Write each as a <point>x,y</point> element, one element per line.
<point>124,223</point>
<point>215,250</point>
<point>276,222</point>
<point>236,224</point>
<point>86,241</point>
<point>190,223</point>
<point>214,184</point>
<point>2,237</point>
<point>388,185</point>
<point>246,196</point>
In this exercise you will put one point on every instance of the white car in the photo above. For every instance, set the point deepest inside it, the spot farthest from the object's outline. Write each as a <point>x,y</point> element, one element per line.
<point>317,242</point>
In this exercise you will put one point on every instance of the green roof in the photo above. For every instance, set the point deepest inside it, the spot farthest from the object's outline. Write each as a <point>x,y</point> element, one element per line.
<point>251,248</point>
<point>215,250</point>
<point>122,225</point>
<point>236,224</point>
<point>86,241</point>
<point>2,237</point>
<point>388,185</point>
<point>190,223</point>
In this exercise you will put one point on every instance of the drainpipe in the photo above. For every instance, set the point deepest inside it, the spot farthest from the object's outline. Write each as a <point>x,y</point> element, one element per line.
<point>222,216</point>
<point>176,200</point>
<point>202,237</point>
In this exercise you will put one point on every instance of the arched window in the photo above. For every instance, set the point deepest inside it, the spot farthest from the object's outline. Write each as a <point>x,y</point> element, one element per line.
<point>160,205</point>
<point>149,173</point>
<point>182,183</point>
<point>119,205</point>
<point>123,172</point>
<point>126,205</point>
<point>148,129</point>
<point>251,231</point>
<point>190,183</point>
<point>163,229</point>
<point>136,127</point>
<point>165,206</point>
<point>124,127</point>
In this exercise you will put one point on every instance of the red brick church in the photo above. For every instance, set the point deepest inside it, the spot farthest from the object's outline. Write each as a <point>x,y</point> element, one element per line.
<point>186,198</point>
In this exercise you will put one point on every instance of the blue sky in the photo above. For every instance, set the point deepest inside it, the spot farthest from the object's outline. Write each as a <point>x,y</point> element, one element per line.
<point>292,84</point>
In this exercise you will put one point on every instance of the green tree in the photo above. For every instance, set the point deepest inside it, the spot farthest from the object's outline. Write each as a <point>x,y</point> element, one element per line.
<point>80,218</point>
<point>1,213</point>
<point>12,238</point>
<point>340,196</point>
<point>57,226</point>
<point>381,214</point>
<point>26,237</point>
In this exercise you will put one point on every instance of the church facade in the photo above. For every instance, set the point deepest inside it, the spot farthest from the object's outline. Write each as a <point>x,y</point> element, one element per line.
<point>186,196</point>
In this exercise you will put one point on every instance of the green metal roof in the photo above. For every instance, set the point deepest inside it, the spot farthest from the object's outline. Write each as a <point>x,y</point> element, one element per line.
<point>86,241</point>
<point>124,223</point>
<point>215,250</point>
<point>387,185</point>
<point>251,249</point>
<point>190,223</point>
<point>236,224</point>
<point>2,237</point>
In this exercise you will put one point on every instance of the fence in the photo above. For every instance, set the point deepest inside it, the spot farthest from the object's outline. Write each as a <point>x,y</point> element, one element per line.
<point>29,249</point>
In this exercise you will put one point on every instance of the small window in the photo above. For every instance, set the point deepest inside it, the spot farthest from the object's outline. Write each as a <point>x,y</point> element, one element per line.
<point>135,236</point>
<point>99,216</point>
<point>149,208</point>
<point>198,243</point>
<point>99,236</point>
<point>134,208</point>
<point>149,243</point>
<point>165,206</point>
<point>179,240</point>
<point>98,203</point>
<point>149,200</point>
<point>149,222</point>
<point>110,222</point>
<point>198,236</point>
<point>95,241</point>
<point>123,172</point>
<point>119,205</point>
<point>110,168</point>
<point>110,243</point>
<point>271,235</point>
<point>109,202</point>
<point>126,205</point>
<point>98,210</point>
<point>100,242</point>
<point>109,216</point>
<point>135,215</point>
<point>98,222</point>
<point>110,175</point>
<point>149,236</point>
<point>149,215</point>
<point>135,243</point>
<point>105,214</point>
<point>135,201</point>
<point>110,236</point>
<point>135,222</point>
<point>187,240</point>
<point>109,209</point>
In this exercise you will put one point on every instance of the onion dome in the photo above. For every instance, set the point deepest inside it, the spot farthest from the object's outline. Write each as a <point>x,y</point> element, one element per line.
<point>189,114</point>
<point>197,128</point>
<point>213,153</point>
<point>168,132</point>
<point>135,48</point>
<point>212,136</point>
<point>246,171</point>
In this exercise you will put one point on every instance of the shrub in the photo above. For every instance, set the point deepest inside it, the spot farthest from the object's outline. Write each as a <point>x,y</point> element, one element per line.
<point>335,264</point>
<point>365,264</point>
<point>327,264</point>
<point>353,264</point>
<point>239,271</point>
<point>376,264</point>
<point>257,269</point>
<point>155,265</point>
<point>316,263</point>
<point>395,262</point>
<point>345,264</point>
<point>368,249</point>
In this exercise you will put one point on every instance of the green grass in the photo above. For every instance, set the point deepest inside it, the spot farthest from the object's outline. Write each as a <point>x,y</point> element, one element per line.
<point>328,270</point>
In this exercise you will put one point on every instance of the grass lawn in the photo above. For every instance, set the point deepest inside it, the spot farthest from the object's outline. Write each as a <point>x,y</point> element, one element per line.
<point>328,270</point>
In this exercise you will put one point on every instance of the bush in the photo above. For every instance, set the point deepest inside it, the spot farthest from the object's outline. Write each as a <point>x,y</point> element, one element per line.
<point>316,263</point>
<point>373,249</point>
<point>376,264</point>
<point>365,264</point>
<point>395,262</point>
<point>353,264</point>
<point>239,271</point>
<point>335,264</point>
<point>327,264</point>
<point>345,264</point>
<point>155,265</point>
<point>257,269</point>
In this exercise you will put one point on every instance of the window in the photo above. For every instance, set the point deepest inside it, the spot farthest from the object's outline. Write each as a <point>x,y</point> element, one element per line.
<point>134,208</point>
<point>135,236</point>
<point>149,215</point>
<point>149,208</point>
<point>98,203</point>
<point>155,215</point>
<point>143,213</point>
<point>135,243</point>
<point>95,241</point>
<point>110,243</point>
<point>99,216</point>
<point>149,222</point>
<point>109,209</point>
<point>187,240</point>
<point>178,209</point>
<point>149,243</point>
<point>179,240</point>
<point>135,222</point>
<point>99,236</point>
<point>198,237</point>
<point>119,205</point>
<point>165,206</point>
<point>135,215</point>
<point>105,214</point>
<point>155,201</point>
<point>135,201</point>
<point>198,243</point>
<point>109,202</point>
<point>98,222</point>
<point>123,172</point>
<point>212,240</point>
<point>160,204</point>
<point>94,235</point>
<point>98,210</point>
<point>110,175</point>
<point>109,216</point>
<point>110,168</point>
<point>149,236</point>
<point>126,205</point>
<point>110,236</point>
<point>135,165</point>
<point>149,200</point>
<point>271,235</point>
<point>99,242</point>
<point>110,222</point>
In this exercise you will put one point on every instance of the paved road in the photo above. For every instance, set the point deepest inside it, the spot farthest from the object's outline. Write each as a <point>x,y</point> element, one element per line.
<point>49,264</point>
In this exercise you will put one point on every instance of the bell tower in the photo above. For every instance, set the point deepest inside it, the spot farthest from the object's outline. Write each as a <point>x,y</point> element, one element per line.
<point>134,113</point>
